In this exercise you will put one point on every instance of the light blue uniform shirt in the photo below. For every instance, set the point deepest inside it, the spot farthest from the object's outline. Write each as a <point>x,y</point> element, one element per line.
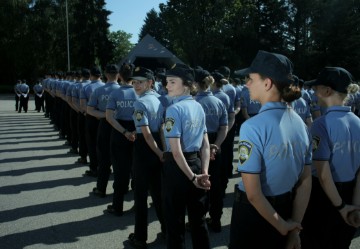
<point>165,100</point>
<point>87,90</point>
<point>301,108</point>
<point>77,90</point>
<point>38,88</point>
<point>185,119</point>
<point>238,90</point>
<point>148,111</point>
<point>314,106</point>
<point>225,99</point>
<point>100,96</point>
<point>231,92</point>
<point>65,85</point>
<point>121,101</point>
<point>336,138</point>
<point>215,111</point>
<point>252,106</point>
<point>70,88</point>
<point>306,96</point>
<point>24,88</point>
<point>276,145</point>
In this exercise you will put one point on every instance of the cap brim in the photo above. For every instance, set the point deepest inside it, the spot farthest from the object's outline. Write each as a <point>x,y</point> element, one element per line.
<point>139,78</point>
<point>311,82</point>
<point>242,72</point>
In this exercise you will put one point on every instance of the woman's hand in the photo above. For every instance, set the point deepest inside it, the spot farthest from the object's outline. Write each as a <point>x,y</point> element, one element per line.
<point>213,150</point>
<point>131,136</point>
<point>289,226</point>
<point>345,214</point>
<point>293,240</point>
<point>202,181</point>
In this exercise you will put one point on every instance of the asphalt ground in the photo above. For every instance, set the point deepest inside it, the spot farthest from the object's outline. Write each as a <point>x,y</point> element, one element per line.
<point>45,201</point>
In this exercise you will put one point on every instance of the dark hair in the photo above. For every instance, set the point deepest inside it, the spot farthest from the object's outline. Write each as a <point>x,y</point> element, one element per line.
<point>126,71</point>
<point>288,92</point>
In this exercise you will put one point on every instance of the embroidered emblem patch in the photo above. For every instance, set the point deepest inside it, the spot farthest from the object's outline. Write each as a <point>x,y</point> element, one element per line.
<point>139,115</point>
<point>245,149</point>
<point>315,143</point>
<point>169,123</point>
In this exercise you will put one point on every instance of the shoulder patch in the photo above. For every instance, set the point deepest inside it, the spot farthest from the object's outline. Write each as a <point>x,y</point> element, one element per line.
<point>245,149</point>
<point>315,143</point>
<point>169,123</point>
<point>139,115</point>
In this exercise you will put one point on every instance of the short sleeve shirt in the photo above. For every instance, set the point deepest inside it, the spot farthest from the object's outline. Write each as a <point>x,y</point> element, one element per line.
<point>271,147</point>
<point>148,111</point>
<point>336,138</point>
<point>185,119</point>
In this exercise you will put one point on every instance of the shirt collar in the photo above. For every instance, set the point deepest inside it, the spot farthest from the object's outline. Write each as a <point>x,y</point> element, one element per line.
<point>273,105</point>
<point>180,98</point>
<point>149,92</point>
<point>205,93</point>
<point>338,108</point>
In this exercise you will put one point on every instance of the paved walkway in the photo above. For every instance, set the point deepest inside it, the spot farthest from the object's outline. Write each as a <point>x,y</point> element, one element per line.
<point>45,200</point>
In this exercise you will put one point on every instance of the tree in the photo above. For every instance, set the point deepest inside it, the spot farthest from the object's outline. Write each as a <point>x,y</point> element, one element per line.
<point>336,36</point>
<point>121,43</point>
<point>154,26</point>
<point>89,33</point>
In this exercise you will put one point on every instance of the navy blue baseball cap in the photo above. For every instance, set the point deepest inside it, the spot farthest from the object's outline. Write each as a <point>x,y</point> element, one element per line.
<point>201,74</point>
<point>217,76</point>
<point>337,78</point>
<point>85,72</point>
<point>112,69</point>
<point>142,73</point>
<point>224,70</point>
<point>274,66</point>
<point>182,71</point>
<point>95,71</point>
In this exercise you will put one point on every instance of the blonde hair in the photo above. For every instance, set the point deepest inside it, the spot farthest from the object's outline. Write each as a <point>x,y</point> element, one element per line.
<point>206,82</point>
<point>353,88</point>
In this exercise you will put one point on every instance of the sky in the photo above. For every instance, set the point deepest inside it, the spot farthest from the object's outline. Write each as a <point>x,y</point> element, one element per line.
<point>129,15</point>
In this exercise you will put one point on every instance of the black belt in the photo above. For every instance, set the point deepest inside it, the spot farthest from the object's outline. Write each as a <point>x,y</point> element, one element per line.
<point>273,200</point>
<point>187,155</point>
<point>127,124</point>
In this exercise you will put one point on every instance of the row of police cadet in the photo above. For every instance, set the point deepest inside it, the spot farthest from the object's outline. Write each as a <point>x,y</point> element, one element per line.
<point>121,126</point>
<point>22,90</point>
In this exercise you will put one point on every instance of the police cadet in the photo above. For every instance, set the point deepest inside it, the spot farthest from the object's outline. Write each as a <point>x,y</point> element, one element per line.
<point>39,96</point>
<point>97,108</point>
<point>119,110</point>
<point>239,119</point>
<point>336,162</point>
<point>301,107</point>
<point>17,94</point>
<point>24,97</point>
<point>81,110</point>
<point>186,162</point>
<point>148,154</point>
<point>316,110</point>
<point>216,125</point>
<point>272,196</point>
<point>249,107</point>
<point>228,144</point>
<point>91,122</point>
<point>73,112</point>
<point>351,99</point>
<point>216,89</point>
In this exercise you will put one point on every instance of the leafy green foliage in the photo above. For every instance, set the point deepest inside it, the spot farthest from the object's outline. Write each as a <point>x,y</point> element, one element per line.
<point>209,33</point>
